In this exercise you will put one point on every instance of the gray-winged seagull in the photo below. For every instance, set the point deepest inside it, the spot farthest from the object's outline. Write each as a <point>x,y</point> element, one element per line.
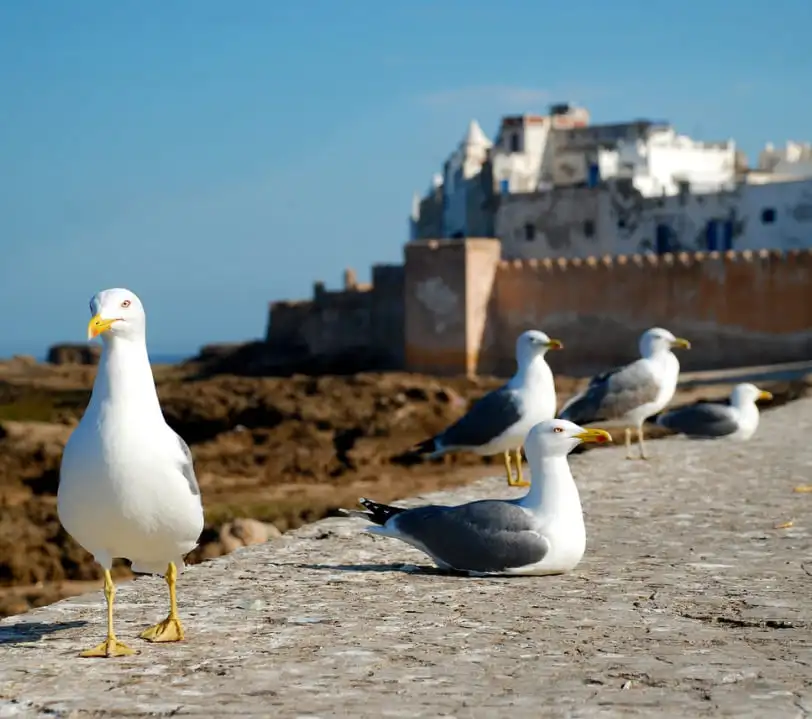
<point>634,392</point>
<point>500,421</point>
<point>540,533</point>
<point>737,420</point>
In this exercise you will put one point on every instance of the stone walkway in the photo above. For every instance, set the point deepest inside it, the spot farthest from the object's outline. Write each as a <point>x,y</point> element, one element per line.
<point>689,603</point>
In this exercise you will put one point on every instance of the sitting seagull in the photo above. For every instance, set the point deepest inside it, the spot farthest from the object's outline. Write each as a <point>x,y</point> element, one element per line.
<point>540,533</point>
<point>634,392</point>
<point>500,421</point>
<point>127,485</point>
<point>737,419</point>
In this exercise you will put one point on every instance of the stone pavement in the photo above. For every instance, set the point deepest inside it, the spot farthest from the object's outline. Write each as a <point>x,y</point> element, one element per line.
<point>689,603</point>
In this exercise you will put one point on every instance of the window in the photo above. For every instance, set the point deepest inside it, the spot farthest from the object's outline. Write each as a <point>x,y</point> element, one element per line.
<point>529,232</point>
<point>514,142</point>
<point>768,216</point>
<point>589,228</point>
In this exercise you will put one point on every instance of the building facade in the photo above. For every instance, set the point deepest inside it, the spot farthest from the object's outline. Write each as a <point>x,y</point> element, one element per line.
<point>615,218</point>
<point>538,179</point>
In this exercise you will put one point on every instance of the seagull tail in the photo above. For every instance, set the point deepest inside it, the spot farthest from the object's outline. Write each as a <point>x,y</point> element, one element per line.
<point>376,512</point>
<point>430,447</point>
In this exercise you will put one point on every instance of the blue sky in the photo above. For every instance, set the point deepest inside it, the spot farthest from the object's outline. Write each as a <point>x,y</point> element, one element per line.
<point>215,156</point>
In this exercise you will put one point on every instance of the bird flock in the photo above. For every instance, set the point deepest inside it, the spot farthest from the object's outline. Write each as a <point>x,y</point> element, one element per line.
<point>128,487</point>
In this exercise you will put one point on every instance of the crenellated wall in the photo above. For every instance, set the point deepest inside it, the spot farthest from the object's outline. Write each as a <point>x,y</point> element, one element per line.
<point>737,308</point>
<point>360,327</point>
<point>455,307</point>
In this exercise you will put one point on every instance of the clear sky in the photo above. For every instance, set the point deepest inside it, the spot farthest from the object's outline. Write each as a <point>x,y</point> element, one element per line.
<point>212,156</point>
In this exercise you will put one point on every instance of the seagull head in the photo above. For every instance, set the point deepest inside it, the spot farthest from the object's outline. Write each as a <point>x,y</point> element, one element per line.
<point>533,343</point>
<point>746,393</point>
<point>658,340</point>
<point>558,437</point>
<point>116,313</point>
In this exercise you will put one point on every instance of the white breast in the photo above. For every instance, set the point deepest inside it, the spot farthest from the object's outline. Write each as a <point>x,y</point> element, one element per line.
<point>121,495</point>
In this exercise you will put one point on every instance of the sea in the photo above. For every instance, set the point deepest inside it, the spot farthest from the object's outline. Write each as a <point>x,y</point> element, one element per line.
<point>156,358</point>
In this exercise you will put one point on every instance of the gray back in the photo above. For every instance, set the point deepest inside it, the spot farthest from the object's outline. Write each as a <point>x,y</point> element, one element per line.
<point>188,467</point>
<point>705,419</point>
<point>612,394</point>
<point>484,536</point>
<point>489,417</point>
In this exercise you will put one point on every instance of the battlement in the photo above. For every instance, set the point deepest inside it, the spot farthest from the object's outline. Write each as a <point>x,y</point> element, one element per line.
<point>649,260</point>
<point>455,306</point>
<point>466,305</point>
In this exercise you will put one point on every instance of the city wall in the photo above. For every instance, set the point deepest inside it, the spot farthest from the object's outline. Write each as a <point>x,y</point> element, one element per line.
<point>737,308</point>
<point>360,327</point>
<point>455,307</point>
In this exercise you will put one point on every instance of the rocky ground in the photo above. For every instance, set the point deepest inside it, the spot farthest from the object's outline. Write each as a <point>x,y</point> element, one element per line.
<point>271,454</point>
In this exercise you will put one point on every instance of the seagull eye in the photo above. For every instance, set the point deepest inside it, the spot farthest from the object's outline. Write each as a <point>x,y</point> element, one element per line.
<point>126,303</point>
<point>557,429</point>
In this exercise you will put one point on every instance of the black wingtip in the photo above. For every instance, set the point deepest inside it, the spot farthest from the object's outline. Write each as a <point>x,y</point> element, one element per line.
<point>427,446</point>
<point>377,512</point>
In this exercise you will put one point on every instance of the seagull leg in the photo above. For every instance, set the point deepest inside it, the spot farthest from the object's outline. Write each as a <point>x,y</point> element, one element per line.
<point>629,443</point>
<point>520,481</point>
<point>508,469</point>
<point>640,443</point>
<point>170,629</point>
<point>110,647</point>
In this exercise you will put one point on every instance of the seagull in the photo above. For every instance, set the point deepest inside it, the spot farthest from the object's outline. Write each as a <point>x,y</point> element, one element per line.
<point>737,419</point>
<point>127,483</point>
<point>500,421</point>
<point>540,533</point>
<point>634,392</point>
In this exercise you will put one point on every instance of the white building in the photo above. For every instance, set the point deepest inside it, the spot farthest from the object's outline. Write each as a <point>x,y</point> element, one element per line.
<point>522,154</point>
<point>662,162</point>
<point>463,184</point>
<point>556,186</point>
<point>617,219</point>
<point>793,160</point>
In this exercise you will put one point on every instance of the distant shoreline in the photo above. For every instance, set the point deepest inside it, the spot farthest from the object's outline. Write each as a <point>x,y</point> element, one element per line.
<point>157,358</point>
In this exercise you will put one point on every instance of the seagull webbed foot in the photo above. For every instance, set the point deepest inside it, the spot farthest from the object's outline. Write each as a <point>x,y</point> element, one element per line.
<point>169,630</point>
<point>110,647</point>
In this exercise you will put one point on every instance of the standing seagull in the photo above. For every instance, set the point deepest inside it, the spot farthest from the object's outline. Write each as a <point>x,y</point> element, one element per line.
<point>127,484</point>
<point>540,533</point>
<point>634,392</point>
<point>736,420</point>
<point>500,421</point>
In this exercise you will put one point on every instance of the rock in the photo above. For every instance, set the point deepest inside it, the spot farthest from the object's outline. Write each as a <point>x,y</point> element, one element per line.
<point>244,532</point>
<point>84,354</point>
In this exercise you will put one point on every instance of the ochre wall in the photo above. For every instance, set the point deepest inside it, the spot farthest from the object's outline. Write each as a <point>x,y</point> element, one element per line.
<point>737,308</point>
<point>456,308</point>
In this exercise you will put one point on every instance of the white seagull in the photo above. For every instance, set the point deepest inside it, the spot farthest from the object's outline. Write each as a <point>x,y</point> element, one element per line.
<point>540,533</point>
<point>737,419</point>
<point>632,393</point>
<point>500,421</point>
<point>127,483</point>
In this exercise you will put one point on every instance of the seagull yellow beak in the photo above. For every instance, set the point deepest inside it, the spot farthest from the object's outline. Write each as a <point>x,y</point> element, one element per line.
<point>98,326</point>
<point>555,345</point>
<point>681,343</point>
<point>600,436</point>
<point>764,394</point>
